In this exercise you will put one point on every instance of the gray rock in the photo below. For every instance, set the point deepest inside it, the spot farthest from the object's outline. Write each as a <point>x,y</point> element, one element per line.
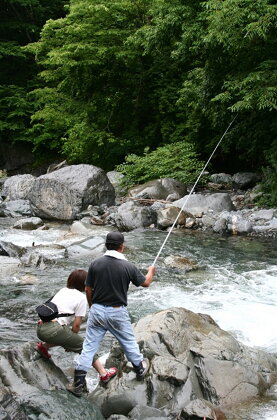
<point>34,388</point>
<point>18,187</point>
<point>220,226</point>
<point>157,205</point>
<point>132,216</point>
<point>22,374</point>
<point>159,189</point>
<point>142,412</point>
<point>244,180</point>
<point>190,358</point>
<point>208,221</point>
<point>221,178</point>
<point>28,224</point>
<point>10,408</point>
<point>261,229</point>
<point>273,223</point>
<point>53,405</point>
<point>15,208</point>
<point>181,263</point>
<point>64,193</point>
<point>167,216</point>
<point>202,409</point>
<point>12,250</point>
<point>91,246</point>
<point>239,225</point>
<point>265,214</point>
<point>115,179</point>
<point>190,222</point>
<point>198,204</point>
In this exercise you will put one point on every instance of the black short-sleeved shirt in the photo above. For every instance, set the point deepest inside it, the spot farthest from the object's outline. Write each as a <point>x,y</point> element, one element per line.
<point>110,277</point>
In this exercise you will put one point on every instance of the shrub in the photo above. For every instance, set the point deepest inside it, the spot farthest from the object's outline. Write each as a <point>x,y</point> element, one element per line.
<point>268,188</point>
<point>177,160</point>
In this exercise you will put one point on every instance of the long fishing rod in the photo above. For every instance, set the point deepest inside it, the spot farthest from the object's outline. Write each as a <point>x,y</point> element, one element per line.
<point>196,182</point>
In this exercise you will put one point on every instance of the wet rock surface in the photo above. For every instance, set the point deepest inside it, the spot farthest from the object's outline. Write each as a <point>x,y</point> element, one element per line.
<point>190,358</point>
<point>34,388</point>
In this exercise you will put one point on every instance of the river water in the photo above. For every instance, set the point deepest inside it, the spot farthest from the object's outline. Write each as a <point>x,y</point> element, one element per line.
<point>235,283</point>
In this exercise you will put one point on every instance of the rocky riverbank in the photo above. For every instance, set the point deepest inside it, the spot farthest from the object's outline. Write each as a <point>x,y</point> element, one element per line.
<point>87,193</point>
<point>196,370</point>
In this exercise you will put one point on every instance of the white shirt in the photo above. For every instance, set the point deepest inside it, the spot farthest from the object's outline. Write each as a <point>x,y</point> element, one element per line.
<point>115,254</point>
<point>70,301</point>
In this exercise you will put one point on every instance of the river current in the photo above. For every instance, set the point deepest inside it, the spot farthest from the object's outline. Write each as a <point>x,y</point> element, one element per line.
<point>235,282</point>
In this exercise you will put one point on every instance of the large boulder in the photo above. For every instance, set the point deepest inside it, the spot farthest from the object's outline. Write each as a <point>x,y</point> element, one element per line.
<point>199,204</point>
<point>32,388</point>
<point>162,189</point>
<point>18,187</point>
<point>190,358</point>
<point>244,180</point>
<point>64,193</point>
<point>115,179</point>
<point>132,216</point>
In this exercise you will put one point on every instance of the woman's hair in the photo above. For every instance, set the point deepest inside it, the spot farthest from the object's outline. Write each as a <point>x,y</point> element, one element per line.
<point>76,280</point>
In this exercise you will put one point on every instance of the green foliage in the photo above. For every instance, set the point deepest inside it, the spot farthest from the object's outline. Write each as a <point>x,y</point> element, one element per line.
<point>120,76</point>
<point>269,187</point>
<point>269,180</point>
<point>20,24</point>
<point>15,111</point>
<point>177,160</point>
<point>234,71</point>
<point>83,56</point>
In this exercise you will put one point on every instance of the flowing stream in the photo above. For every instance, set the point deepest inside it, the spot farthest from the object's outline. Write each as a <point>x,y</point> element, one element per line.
<point>235,283</point>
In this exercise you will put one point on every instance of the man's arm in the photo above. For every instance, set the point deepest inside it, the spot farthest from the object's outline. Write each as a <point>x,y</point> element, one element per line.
<point>88,290</point>
<point>149,276</point>
<point>76,324</point>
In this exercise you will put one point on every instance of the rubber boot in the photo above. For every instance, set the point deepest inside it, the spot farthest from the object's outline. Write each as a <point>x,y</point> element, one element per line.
<point>142,369</point>
<point>77,386</point>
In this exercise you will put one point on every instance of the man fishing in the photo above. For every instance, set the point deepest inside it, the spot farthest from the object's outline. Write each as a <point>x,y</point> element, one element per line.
<point>107,285</point>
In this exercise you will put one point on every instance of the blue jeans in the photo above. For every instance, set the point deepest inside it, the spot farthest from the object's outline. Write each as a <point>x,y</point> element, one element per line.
<point>115,320</point>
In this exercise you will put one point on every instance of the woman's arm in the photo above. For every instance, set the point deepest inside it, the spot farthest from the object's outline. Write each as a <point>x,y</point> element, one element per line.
<point>76,324</point>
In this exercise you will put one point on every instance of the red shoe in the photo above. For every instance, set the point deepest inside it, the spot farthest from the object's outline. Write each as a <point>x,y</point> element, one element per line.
<point>42,351</point>
<point>104,379</point>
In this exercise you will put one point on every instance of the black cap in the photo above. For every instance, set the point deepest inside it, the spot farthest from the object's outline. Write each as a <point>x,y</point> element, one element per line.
<point>114,238</point>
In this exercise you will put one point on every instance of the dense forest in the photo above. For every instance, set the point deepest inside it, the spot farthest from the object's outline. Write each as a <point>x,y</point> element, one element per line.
<point>144,86</point>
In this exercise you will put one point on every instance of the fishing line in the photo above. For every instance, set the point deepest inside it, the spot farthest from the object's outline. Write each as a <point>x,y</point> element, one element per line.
<point>196,182</point>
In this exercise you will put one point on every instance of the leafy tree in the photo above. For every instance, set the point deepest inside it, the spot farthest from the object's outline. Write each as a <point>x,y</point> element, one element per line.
<point>20,24</point>
<point>111,90</point>
<point>237,73</point>
<point>120,76</point>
